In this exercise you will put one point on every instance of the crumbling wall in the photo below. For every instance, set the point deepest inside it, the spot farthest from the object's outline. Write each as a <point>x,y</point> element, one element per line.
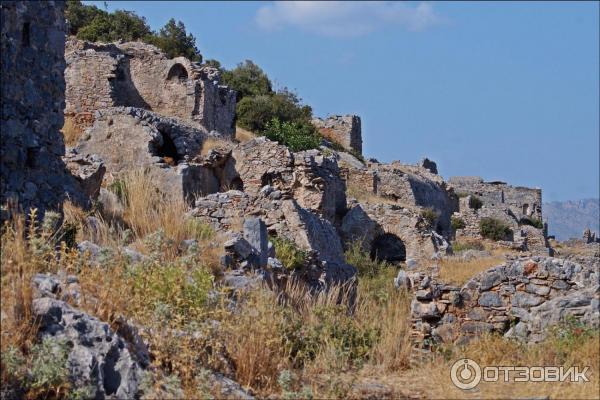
<point>33,38</point>
<point>520,298</point>
<point>139,75</point>
<point>517,207</point>
<point>344,130</point>
<point>521,201</point>
<point>129,139</point>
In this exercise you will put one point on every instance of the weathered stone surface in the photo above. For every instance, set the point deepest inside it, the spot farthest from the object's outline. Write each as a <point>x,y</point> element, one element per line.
<point>521,297</point>
<point>129,139</point>
<point>139,75</point>
<point>88,170</point>
<point>490,299</point>
<point>98,357</point>
<point>32,173</point>
<point>344,130</point>
<point>255,232</point>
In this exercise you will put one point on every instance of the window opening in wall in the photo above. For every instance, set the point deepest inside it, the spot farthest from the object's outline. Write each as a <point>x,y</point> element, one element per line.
<point>26,35</point>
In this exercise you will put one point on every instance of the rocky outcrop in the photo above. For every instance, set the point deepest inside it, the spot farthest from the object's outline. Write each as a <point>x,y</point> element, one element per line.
<point>520,298</point>
<point>88,171</point>
<point>98,357</point>
<point>129,139</point>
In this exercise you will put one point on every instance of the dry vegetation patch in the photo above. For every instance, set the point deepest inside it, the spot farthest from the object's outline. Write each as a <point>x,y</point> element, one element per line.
<point>457,271</point>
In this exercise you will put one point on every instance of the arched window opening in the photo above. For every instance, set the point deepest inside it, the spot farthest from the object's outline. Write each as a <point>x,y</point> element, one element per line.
<point>177,73</point>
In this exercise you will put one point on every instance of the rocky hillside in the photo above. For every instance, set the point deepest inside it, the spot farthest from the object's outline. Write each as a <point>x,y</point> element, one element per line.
<point>568,219</point>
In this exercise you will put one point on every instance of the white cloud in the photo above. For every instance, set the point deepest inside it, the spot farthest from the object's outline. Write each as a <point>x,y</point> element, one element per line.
<point>340,18</point>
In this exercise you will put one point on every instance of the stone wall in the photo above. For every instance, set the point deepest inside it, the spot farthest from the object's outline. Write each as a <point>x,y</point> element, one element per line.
<point>515,206</point>
<point>521,201</point>
<point>33,39</point>
<point>139,75</point>
<point>344,130</point>
<point>520,298</point>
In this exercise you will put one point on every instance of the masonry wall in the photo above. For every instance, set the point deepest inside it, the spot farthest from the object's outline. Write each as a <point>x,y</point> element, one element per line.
<point>33,85</point>
<point>344,130</point>
<point>139,75</point>
<point>522,201</point>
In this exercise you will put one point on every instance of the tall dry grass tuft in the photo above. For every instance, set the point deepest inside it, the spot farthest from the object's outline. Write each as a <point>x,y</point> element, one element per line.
<point>71,132</point>
<point>243,135</point>
<point>458,271</point>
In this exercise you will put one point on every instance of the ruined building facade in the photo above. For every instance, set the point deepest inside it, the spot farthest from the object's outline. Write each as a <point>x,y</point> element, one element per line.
<point>518,207</point>
<point>342,129</point>
<point>33,41</point>
<point>137,74</point>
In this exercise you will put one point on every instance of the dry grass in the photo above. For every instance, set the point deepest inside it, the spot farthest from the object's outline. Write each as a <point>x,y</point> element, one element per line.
<point>432,378</point>
<point>328,349</point>
<point>243,135</point>
<point>71,132</point>
<point>457,271</point>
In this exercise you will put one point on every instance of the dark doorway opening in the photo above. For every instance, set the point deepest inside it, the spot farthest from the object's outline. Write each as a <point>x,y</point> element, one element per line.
<point>168,150</point>
<point>388,247</point>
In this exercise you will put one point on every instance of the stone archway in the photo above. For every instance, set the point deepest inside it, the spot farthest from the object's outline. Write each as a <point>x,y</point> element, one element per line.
<point>177,73</point>
<point>388,247</point>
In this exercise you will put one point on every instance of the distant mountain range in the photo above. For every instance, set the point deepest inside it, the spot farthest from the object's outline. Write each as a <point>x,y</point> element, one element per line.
<point>568,219</point>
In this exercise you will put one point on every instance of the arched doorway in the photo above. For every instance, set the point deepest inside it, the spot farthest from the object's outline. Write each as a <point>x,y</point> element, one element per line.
<point>388,247</point>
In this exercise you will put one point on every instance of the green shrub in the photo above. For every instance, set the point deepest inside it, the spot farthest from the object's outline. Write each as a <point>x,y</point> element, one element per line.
<point>297,136</point>
<point>457,223</point>
<point>366,266</point>
<point>255,112</point>
<point>175,41</point>
<point>494,229</point>
<point>48,371</point>
<point>430,216</point>
<point>535,222</point>
<point>475,203</point>
<point>331,326</point>
<point>288,253</point>
<point>248,80</point>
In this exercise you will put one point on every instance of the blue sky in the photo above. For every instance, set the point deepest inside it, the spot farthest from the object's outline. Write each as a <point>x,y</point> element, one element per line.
<point>507,91</point>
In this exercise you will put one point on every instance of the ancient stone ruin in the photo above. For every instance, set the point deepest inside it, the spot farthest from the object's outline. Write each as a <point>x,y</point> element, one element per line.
<point>344,130</point>
<point>137,74</point>
<point>32,171</point>
<point>518,207</point>
<point>520,298</point>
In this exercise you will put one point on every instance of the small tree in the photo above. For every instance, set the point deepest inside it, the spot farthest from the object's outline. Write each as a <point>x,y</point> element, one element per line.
<point>494,229</point>
<point>248,79</point>
<point>175,41</point>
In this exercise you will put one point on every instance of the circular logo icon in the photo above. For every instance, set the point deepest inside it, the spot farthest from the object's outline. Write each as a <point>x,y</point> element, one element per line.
<point>465,374</point>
